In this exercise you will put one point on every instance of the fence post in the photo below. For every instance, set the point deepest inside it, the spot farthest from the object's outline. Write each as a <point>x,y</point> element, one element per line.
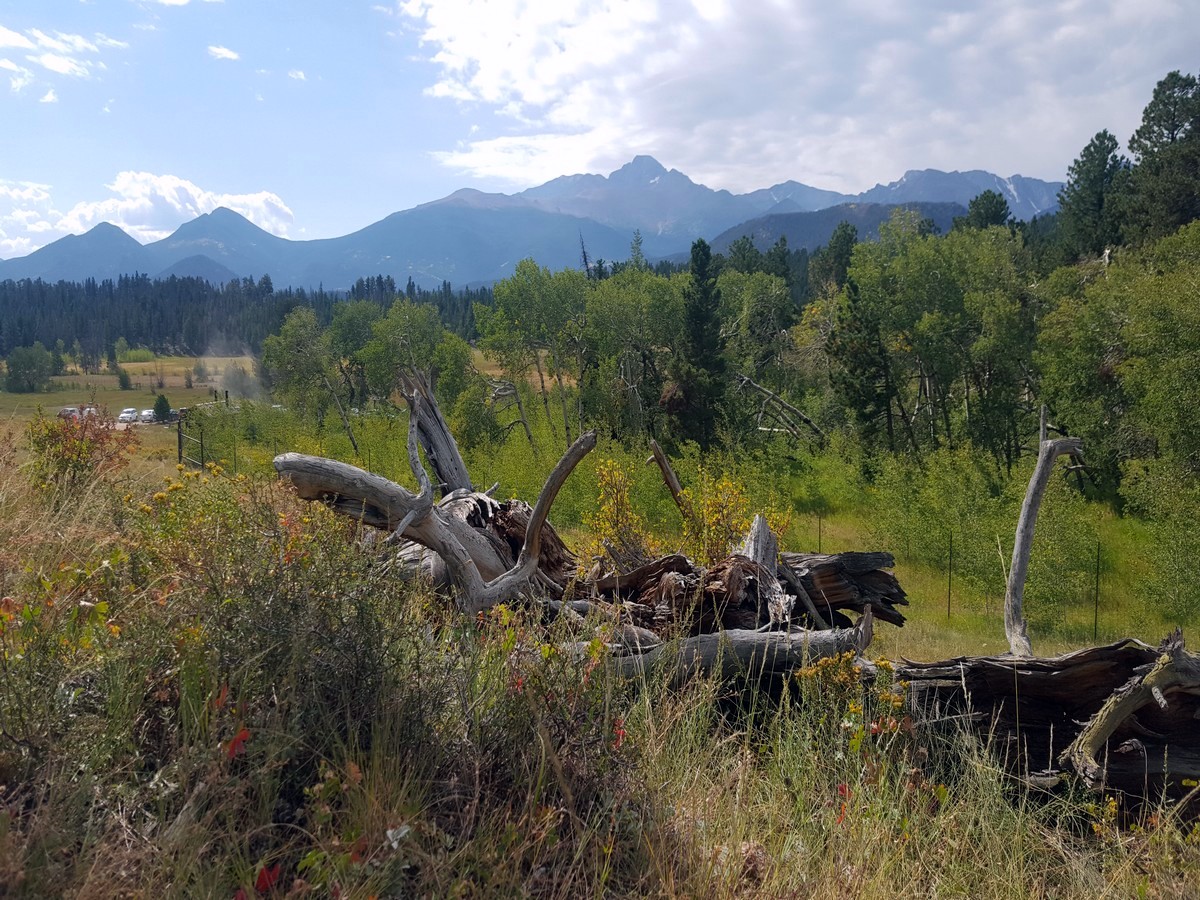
<point>949,575</point>
<point>179,439</point>
<point>1096,596</point>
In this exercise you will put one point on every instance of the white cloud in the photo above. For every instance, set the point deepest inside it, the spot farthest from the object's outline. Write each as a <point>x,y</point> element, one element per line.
<point>105,41</point>
<point>49,97</point>
<point>63,43</point>
<point>14,39</point>
<point>150,207</point>
<point>20,76</point>
<point>24,191</point>
<point>62,65</point>
<point>147,206</point>
<point>297,74</point>
<point>838,95</point>
<point>218,52</point>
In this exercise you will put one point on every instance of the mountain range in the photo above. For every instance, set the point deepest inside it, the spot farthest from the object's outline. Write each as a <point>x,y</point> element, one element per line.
<point>471,236</point>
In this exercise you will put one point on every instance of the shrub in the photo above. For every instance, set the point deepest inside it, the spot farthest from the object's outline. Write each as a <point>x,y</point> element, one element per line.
<point>70,452</point>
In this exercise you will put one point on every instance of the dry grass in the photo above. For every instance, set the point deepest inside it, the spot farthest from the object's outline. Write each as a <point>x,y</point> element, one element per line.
<point>210,686</point>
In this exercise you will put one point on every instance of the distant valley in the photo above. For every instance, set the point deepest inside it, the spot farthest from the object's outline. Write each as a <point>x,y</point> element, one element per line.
<point>472,237</point>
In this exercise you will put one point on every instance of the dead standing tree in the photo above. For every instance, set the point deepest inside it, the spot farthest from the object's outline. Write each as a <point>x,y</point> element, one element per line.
<point>1119,717</point>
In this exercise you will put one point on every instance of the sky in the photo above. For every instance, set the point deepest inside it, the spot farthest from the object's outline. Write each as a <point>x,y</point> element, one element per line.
<point>314,119</point>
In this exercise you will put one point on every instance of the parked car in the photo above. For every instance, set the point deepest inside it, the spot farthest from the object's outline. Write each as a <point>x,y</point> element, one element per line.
<point>148,415</point>
<point>76,413</point>
<point>129,416</point>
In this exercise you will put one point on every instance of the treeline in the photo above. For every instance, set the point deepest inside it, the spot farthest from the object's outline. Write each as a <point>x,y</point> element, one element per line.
<point>184,316</point>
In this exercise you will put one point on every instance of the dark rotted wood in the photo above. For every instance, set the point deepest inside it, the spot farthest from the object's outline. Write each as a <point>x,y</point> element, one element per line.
<point>555,561</point>
<point>849,581</point>
<point>1145,738</point>
<point>1030,712</point>
<point>633,581</point>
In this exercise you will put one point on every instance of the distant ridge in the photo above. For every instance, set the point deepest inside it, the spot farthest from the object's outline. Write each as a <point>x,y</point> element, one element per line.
<point>810,230</point>
<point>473,237</point>
<point>199,266</point>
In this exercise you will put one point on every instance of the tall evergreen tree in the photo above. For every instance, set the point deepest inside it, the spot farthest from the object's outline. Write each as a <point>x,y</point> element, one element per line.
<point>985,210</point>
<point>699,362</point>
<point>861,374</point>
<point>1165,190</point>
<point>1089,215</point>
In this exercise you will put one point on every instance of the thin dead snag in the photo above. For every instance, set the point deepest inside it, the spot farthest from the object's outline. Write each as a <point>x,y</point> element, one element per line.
<point>670,479</point>
<point>1014,618</point>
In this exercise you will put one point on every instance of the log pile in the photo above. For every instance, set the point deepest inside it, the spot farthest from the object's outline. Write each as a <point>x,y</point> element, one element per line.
<point>1123,717</point>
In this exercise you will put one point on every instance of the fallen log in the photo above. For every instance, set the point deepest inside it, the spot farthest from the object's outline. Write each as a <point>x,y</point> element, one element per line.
<point>471,534</point>
<point>734,617</point>
<point>752,657</point>
<point>1146,731</point>
<point>1092,714</point>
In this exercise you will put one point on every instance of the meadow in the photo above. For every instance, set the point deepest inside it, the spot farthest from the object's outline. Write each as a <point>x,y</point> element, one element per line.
<point>210,688</point>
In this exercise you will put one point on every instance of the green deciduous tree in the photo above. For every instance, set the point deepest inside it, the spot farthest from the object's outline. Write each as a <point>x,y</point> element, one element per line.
<point>296,363</point>
<point>28,369</point>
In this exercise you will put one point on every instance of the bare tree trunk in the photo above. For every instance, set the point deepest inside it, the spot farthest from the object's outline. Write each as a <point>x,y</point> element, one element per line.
<point>434,434</point>
<point>670,478</point>
<point>1014,619</point>
<point>342,415</point>
<point>505,389</point>
<point>537,364</point>
<point>562,395</point>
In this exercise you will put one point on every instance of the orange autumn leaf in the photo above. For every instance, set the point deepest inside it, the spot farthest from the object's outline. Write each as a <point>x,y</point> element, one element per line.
<point>237,746</point>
